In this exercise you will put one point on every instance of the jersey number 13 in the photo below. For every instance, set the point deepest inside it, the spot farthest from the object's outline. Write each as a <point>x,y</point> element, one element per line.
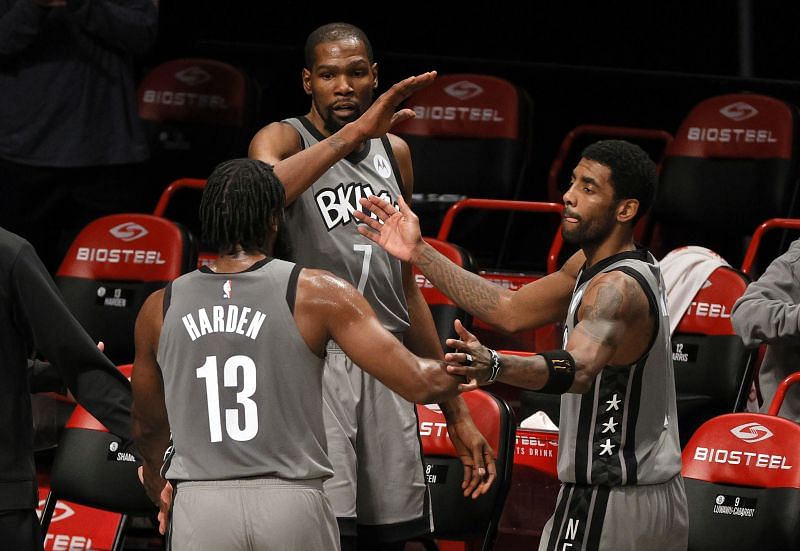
<point>234,366</point>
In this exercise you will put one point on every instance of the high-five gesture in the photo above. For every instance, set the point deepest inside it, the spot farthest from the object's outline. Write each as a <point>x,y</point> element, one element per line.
<point>381,115</point>
<point>397,231</point>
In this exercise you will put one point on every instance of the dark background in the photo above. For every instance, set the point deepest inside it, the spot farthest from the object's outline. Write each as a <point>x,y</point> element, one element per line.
<point>643,64</point>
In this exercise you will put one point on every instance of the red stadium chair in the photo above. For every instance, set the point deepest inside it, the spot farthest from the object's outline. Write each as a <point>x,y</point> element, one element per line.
<point>197,112</point>
<point>92,469</point>
<point>456,517</point>
<point>743,481</point>
<point>112,267</point>
<point>713,369</point>
<point>471,138</point>
<point>731,165</point>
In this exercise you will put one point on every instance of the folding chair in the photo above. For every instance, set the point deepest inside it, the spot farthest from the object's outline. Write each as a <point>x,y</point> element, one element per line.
<point>454,516</point>
<point>113,265</point>
<point>732,164</point>
<point>92,469</point>
<point>743,481</point>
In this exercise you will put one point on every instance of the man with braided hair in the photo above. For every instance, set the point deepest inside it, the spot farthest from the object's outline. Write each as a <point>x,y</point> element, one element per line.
<point>229,361</point>
<point>619,453</point>
<point>340,151</point>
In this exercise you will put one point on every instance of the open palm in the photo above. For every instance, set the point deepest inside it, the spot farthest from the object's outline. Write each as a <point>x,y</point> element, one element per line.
<point>397,231</point>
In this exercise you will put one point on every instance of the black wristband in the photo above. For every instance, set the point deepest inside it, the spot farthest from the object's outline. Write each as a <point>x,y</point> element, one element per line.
<point>561,369</point>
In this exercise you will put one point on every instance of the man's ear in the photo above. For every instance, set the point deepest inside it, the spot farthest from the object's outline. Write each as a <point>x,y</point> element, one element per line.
<point>306,76</point>
<point>627,209</point>
<point>375,75</point>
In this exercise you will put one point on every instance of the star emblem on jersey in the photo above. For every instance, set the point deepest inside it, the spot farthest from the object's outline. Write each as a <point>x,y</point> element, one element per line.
<point>607,448</point>
<point>613,403</point>
<point>227,289</point>
<point>611,425</point>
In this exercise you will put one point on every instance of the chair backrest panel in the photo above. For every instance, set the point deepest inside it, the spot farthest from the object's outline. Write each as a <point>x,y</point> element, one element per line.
<point>458,518</point>
<point>470,138</point>
<point>111,268</point>
<point>732,164</point>
<point>194,90</point>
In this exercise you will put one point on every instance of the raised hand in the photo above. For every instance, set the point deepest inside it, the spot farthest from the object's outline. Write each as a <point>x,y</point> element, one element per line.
<point>396,231</point>
<point>473,359</point>
<point>381,115</point>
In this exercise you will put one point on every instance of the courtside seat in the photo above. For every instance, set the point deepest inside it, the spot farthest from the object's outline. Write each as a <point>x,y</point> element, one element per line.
<point>471,137</point>
<point>92,467</point>
<point>713,369</point>
<point>743,482</point>
<point>197,112</point>
<point>733,163</point>
<point>113,265</point>
<point>456,517</point>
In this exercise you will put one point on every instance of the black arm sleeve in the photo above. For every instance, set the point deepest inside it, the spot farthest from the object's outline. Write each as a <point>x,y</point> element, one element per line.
<point>93,379</point>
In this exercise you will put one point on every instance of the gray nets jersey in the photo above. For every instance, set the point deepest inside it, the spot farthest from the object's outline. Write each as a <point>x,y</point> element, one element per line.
<point>624,430</point>
<point>243,390</point>
<point>320,231</point>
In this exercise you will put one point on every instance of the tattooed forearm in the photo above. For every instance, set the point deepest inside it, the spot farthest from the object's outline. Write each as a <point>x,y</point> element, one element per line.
<point>477,296</point>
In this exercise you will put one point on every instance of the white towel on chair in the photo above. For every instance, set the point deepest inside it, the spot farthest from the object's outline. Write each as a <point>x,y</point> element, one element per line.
<point>685,271</point>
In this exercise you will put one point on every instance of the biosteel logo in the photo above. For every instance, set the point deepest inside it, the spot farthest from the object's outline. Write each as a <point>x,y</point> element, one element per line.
<point>128,231</point>
<point>193,76</point>
<point>751,432</point>
<point>463,90</point>
<point>739,111</point>
<point>62,511</point>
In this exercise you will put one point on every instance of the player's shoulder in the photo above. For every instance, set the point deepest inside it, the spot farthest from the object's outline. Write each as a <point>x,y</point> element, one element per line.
<point>322,282</point>
<point>399,145</point>
<point>277,136</point>
<point>617,292</point>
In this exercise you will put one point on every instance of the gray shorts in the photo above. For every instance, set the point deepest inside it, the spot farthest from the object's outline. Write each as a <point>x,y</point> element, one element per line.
<point>374,447</point>
<point>264,514</point>
<point>621,518</point>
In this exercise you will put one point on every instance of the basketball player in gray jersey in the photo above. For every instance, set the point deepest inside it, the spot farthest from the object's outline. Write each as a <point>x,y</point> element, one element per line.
<point>229,361</point>
<point>328,160</point>
<point>619,453</point>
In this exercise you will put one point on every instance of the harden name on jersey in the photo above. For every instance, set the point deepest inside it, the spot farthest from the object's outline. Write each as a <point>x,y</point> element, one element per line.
<point>224,319</point>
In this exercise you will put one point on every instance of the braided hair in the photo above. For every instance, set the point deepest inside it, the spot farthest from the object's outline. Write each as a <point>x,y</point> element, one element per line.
<point>242,205</point>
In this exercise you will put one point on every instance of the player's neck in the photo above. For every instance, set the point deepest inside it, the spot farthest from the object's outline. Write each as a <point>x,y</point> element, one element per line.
<point>237,261</point>
<point>615,243</point>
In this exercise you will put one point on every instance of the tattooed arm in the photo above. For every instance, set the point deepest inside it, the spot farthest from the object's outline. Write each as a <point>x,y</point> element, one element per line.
<point>539,303</point>
<point>615,327</point>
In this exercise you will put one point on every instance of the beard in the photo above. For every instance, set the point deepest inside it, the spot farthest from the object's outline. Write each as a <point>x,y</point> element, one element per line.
<point>333,122</point>
<point>590,232</point>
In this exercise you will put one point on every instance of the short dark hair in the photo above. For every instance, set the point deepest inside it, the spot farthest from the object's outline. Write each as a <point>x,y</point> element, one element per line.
<point>242,202</point>
<point>333,32</point>
<point>633,172</point>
